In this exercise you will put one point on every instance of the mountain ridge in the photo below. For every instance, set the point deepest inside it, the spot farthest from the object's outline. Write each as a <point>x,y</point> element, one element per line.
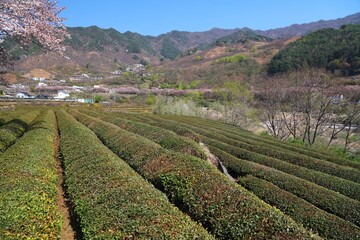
<point>305,28</point>
<point>107,49</point>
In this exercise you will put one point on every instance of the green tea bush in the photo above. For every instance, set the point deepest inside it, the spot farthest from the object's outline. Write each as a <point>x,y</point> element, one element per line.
<point>28,184</point>
<point>15,129</point>
<point>223,207</point>
<point>284,155</point>
<point>7,116</point>
<point>321,197</point>
<point>237,133</point>
<point>343,186</point>
<point>148,119</point>
<point>326,225</point>
<point>165,138</point>
<point>111,199</point>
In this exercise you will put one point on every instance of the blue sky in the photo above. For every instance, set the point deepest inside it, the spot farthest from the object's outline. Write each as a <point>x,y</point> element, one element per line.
<point>154,17</point>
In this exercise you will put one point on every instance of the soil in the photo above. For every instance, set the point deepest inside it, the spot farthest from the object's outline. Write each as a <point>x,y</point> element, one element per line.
<point>70,229</point>
<point>38,72</point>
<point>215,161</point>
<point>211,158</point>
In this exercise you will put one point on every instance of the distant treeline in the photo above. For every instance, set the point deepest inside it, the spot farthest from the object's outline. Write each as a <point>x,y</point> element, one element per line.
<point>335,50</point>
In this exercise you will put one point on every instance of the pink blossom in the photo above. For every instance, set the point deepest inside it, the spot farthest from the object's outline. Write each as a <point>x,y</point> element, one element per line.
<point>39,19</point>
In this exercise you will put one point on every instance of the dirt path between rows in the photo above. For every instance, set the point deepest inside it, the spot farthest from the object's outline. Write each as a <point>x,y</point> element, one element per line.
<point>214,160</point>
<point>70,228</point>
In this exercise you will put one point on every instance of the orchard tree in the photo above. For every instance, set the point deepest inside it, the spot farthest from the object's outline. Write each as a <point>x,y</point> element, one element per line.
<point>300,105</point>
<point>272,114</point>
<point>31,20</point>
<point>237,104</point>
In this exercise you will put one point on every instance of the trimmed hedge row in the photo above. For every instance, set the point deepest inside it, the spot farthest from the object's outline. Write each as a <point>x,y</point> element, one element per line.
<point>176,128</point>
<point>165,138</point>
<point>15,129</point>
<point>343,172</point>
<point>199,189</point>
<point>248,137</point>
<point>326,225</point>
<point>110,198</point>
<point>323,198</point>
<point>29,184</point>
<point>8,116</point>
<point>345,187</point>
<point>297,159</point>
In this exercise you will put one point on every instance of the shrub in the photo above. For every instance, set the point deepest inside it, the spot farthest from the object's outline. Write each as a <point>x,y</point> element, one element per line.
<point>7,116</point>
<point>29,185</point>
<point>326,225</point>
<point>15,129</point>
<point>243,135</point>
<point>284,155</point>
<point>148,119</point>
<point>301,160</point>
<point>197,187</point>
<point>176,128</point>
<point>150,100</point>
<point>105,189</point>
<point>164,137</point>
<point>198,58</point>
<point>231,59</point>
<point>323,198</point>
<point>346,187</point>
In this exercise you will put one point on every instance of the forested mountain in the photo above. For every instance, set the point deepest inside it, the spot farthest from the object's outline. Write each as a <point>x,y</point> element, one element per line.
<point>128,47</point>
<point>242,36</point>
<point>96,39</point>
<point>108,49</point>
<point>336,50</point>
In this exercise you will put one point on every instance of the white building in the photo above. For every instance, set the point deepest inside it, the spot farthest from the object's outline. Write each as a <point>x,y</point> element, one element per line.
<point>61,94</point>
<point>85,75</point>
<point>22,95</point>
<point>41,84</point>
<point>41,79</point>
<point>77,88</point>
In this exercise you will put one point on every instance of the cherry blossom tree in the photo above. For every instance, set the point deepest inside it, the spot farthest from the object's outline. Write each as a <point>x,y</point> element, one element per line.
<point>28,20</point>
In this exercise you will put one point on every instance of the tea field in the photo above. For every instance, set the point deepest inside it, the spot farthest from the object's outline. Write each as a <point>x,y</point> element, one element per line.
<point>136,175</point>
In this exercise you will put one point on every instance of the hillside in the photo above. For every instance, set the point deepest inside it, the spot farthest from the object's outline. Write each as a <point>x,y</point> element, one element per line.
<point>108,49</point>
<point>228,61</point>
<point>336,50</point>
<point>95,50</point>
<point>172,44</point>
<point>242,36</point>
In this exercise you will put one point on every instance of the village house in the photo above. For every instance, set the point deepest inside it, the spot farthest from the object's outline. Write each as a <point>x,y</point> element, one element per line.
<point>77,88</point>
<point>41,84</point>
<point>40,79</point>
<point>117,72</point>
<point>61,94</point>
<point>82,100</point>
<point>23,95</point>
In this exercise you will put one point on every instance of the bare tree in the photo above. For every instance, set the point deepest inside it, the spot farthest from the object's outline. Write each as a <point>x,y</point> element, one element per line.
<point>352,122</point>
<point>316,91</point>
<point>337,122</point>
<point>237,102</point>
<point>272,97</point>
<point>290,110</point>
<point>298,105</point>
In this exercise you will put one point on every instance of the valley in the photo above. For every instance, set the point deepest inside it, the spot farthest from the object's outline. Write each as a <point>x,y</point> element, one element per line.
<point>219,134</point>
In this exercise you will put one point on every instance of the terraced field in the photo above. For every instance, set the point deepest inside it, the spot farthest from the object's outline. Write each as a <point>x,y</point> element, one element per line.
<point>144,176</point>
